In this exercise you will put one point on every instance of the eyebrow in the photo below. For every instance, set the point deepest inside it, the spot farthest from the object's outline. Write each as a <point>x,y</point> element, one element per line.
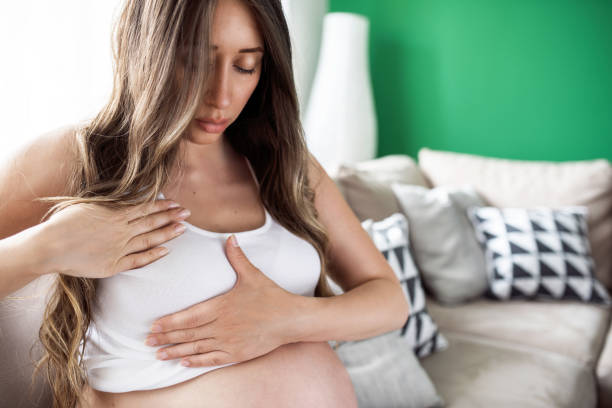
<point>254,49</point>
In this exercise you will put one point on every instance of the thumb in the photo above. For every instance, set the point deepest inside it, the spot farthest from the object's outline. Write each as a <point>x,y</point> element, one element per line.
<point>236,256</point>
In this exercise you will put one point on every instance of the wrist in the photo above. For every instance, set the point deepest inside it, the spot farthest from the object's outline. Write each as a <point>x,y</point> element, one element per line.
<point>40,250</point>
<point>301,318</point>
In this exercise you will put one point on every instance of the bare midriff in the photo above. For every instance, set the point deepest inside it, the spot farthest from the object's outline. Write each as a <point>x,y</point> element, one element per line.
<point>296,375</point>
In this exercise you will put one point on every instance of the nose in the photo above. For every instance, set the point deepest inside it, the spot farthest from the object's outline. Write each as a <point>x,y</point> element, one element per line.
<point>218,92</point>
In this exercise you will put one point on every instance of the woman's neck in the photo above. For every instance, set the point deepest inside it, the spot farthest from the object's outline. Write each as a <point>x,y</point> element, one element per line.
<point>211,164</point>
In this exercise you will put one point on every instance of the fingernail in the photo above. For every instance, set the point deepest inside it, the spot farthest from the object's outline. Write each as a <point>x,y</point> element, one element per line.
<point>185,363</point>
<point>234,240</point>
<point>156,328</point>
<point>174,205</point>
<point>185,213</point>
<point>151,342</point>
<point>162,355</point>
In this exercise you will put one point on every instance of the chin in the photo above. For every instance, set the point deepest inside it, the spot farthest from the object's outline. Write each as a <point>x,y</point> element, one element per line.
<point>200,136</point>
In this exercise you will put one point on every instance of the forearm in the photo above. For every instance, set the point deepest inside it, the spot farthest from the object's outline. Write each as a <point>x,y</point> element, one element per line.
<point>21,259</point>
<point>375,307</point>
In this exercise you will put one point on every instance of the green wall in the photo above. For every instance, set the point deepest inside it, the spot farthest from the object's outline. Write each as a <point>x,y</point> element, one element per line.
<point>518,79</point>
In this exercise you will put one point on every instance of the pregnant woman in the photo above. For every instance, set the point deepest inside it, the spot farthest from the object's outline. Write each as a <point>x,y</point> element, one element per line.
<point>234,310</point>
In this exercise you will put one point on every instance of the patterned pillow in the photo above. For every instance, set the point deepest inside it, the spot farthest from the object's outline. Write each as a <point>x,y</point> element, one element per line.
<point>537,253</point>
<point>390,236</point>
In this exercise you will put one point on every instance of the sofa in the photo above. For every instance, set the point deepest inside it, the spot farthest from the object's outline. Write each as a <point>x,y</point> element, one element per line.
<point>518,353</point>
<point>505,353</point>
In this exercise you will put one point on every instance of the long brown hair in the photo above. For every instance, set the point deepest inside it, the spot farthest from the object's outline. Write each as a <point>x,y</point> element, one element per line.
<point>126,151</point>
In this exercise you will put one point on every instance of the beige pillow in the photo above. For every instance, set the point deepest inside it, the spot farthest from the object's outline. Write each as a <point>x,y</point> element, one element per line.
<point>447,253</point>
<point>521,183</point>
<point>366,185</point>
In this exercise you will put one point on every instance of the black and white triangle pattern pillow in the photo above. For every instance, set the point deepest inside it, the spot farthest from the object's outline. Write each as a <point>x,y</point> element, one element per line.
<point>537,253</point>
<point>390,236</point>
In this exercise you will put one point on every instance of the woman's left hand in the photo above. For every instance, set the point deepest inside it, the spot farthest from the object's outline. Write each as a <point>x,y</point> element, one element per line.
<point>248,321</point>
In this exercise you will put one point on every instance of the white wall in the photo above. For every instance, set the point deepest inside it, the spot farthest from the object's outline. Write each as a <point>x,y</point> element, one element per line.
<point>56,65</point>
<point>56,61</point>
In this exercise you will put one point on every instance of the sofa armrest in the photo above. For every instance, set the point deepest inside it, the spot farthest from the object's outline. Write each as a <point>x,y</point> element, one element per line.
<point>604,372</point>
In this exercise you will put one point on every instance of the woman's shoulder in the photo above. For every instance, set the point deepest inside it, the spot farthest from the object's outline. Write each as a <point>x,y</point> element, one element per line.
<point>316,172</point>
<point>40,167</point>
<point>55,152</point>
<point>47,157</point>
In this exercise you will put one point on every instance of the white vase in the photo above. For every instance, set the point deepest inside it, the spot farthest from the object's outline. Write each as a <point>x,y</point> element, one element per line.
<point>305,21</point>
<point>340,120</point>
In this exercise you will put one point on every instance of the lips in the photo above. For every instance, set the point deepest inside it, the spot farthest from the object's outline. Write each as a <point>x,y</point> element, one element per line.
<point>211,125</point>
<point>214,121</point>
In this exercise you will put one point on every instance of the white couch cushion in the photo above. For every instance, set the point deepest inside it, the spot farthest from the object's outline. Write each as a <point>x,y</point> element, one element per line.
<point>384,375</point>
<point>479,373</point>
<point>574,329</point>
<point>366,185</point>
<point>521,183</point>
<point>446,251</point>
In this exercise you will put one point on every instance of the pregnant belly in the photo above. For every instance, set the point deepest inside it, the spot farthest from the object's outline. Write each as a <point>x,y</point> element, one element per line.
<point>303,374</point>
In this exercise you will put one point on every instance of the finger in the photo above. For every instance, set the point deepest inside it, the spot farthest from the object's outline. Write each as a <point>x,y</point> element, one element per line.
<point>142,210</point>
<point>180,336</point>
<point>195,316</point>
<point>213,358</point>
<point>156,220</point>
<point>236,255</point>
<point>154,238</point>
<point>200,346</point>
<point>140,259</point>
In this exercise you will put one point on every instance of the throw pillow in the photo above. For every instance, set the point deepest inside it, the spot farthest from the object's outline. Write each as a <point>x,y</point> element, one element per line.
<point>366,185</point>
<point>538,252</point>
<point>391,238</point>
<point>526,183</point>
<point>383,375</point>
<point>445,246</point>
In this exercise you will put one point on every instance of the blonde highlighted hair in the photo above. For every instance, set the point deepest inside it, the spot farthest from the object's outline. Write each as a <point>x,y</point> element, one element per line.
<point>126,151</point>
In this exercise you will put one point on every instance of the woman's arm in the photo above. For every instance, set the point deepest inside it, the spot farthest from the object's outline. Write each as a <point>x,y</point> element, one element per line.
<point>373,301</point>
<point>38,168</point>
<point>23,259</point>
<point>83,240</point>
<point>367,310</point>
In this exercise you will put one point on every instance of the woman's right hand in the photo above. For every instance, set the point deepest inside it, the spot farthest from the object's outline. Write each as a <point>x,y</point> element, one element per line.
<point>92,241</point>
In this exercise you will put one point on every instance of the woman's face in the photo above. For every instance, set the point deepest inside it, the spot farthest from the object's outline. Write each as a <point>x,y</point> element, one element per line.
<point>236,55</point>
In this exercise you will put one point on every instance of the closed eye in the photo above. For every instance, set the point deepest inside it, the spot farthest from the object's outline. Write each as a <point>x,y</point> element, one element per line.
<point>244,71</point>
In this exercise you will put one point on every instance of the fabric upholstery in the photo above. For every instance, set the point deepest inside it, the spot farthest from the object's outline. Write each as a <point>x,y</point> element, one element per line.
<point>475,372</point>
<point>574,329</point>
<point>391,237</point>
<point>446,251</point>
<point>604,371</point>
<point>538,253</point>
<point>521,183</point>
<point>20,318</point>
<point>366,185</point>
<point>385,375</point>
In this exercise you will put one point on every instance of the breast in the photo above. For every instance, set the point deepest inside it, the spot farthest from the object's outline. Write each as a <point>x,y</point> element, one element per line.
<point>196,269</point>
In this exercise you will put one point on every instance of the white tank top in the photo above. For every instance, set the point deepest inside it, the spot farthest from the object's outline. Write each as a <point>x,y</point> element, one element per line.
<point>116,358</point>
